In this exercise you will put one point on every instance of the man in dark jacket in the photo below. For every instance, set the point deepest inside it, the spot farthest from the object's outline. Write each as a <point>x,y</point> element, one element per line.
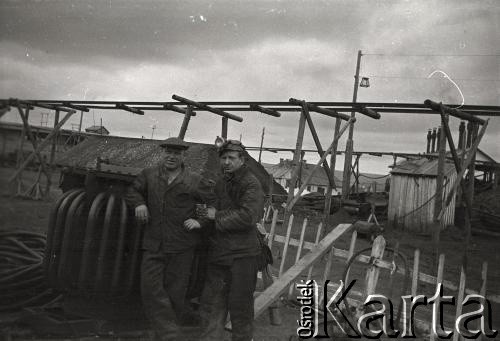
<point>164,199</point>
<point>233,249</point>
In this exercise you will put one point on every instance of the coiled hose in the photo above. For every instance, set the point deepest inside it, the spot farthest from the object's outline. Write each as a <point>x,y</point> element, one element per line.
<point>22,280</point>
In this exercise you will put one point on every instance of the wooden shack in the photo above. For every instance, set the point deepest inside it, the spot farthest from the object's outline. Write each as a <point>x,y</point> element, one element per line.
<point>412,194</point>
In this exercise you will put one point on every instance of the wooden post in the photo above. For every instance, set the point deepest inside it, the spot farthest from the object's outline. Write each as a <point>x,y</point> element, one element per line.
<point>53,154</point>
<point>299,251</point>
<point>439,279</point>
<point>224,127</point>
<point>346,185</point>
<point>414,280</point>
<point>438,199</point>
<point>460,299</point>
<point>285,245</point>
<point>352,247</point>
<point>373,272</point>
<point>185,122</point>
<point>333,161</point>
<point>261,143</point>
<point>319,230</point>
<point>296,165</point>
<point>272,230</point>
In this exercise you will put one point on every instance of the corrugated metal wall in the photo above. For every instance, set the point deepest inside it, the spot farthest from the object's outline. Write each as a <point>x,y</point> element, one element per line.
<point>411,200</point>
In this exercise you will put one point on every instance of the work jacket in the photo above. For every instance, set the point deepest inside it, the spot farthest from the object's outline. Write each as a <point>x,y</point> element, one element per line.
<point>240,204</point>
<point>169,205</point>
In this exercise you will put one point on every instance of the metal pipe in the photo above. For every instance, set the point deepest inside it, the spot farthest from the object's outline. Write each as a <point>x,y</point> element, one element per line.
<point>51,230</point>
<point>60,220</point>
<point>106,230</point>
<point>118,264</point>
<point>69,235</point>
<point>92,221</point>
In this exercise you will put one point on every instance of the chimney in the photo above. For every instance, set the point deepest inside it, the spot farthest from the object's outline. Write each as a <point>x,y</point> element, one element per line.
<point>281,161</point>
<point>429,137</point>
<point>433,145</point>
<point>461,135</point>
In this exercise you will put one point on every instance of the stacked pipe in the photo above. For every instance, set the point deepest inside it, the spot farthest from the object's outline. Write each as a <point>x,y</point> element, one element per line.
<point>22,282</point>
<point>92,245</point>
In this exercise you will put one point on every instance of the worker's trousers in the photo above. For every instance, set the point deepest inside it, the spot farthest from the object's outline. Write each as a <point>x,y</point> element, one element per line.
<point>229,288</point>
<point>164,282</point>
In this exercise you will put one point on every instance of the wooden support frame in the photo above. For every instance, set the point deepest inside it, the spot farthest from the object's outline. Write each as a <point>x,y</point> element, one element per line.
<point>271,294</point>
<point>313,107</point>
<point>294,200</point>
<point>42,145</point>
<point>185,122</point>
<point>305,111</point>
<point>207,108</point>
<point>128,108</point>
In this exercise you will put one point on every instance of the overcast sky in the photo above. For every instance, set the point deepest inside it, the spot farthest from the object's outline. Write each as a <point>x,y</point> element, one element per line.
<point>256,50</point>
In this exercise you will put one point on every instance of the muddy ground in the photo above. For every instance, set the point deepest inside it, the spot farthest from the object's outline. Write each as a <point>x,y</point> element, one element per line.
<point>21,214</point>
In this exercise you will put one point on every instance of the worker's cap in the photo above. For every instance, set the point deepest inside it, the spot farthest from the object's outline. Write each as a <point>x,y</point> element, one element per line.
<point>228,145</point>
<point>174,142</point>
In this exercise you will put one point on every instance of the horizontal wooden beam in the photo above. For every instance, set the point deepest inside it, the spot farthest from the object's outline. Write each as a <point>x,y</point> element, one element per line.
<point>453,112</point>
<point>128,108</point>
<point>327,112</point>
<point>263,110</point>
<point>207,108</point>
<point>175,108</point>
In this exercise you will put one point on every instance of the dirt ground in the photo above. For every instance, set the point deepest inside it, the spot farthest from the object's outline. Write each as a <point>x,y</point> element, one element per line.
<point>21,214</point>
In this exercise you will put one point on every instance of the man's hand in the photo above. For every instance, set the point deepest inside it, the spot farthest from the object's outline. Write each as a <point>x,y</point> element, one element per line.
<point>192,224</point>
<point>142,214</point>
<point>211,213</point>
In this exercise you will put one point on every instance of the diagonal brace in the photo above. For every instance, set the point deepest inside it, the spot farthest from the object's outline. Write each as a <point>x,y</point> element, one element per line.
<point>304,185</point>
<point>42,145</point>
<point>305,111</point>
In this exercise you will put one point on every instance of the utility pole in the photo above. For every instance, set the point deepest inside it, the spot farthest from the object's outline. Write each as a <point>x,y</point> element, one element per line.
<point>261,142</point>
<point>346,185</point>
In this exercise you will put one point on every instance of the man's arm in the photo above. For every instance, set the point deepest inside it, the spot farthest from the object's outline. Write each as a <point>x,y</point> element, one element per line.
<point>247,213</point>
<point>135,197</point>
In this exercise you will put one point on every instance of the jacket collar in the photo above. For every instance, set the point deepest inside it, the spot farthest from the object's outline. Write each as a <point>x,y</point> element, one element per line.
<point>162,174</point>
<point>237,175</point>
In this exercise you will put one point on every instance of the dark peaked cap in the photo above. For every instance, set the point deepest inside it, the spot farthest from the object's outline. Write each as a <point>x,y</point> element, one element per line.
<point>174,142</point>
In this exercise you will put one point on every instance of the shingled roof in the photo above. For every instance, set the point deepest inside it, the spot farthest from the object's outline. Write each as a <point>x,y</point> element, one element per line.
<point>136,154</point>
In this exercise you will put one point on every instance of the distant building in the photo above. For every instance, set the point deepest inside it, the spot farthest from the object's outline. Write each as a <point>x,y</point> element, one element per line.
<point>282,173</point>
<point>412,194</point>
<point>11,144</point>
<point>100,130</point>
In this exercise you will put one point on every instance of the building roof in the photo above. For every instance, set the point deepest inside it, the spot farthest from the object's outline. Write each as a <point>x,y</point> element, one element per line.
<point>421,167</point>
<point>137,154</point>
<point>285,167</point>
<point>98,129</point>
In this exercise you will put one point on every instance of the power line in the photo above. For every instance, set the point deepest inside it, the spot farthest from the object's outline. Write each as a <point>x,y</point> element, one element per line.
<point>430,55</point>
<point>457,79</point>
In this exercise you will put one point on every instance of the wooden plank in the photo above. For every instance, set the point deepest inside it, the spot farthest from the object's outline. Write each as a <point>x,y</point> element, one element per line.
<point>299,250</point>
<point>374,271</point>
<point>272,231</point>
<point>414,280</point>
<point>285,246</point>
<point>319,230</point>
<point>268,296</point>
<point>460,299</point>
<point>352,247</point>
<point>439,279</point>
